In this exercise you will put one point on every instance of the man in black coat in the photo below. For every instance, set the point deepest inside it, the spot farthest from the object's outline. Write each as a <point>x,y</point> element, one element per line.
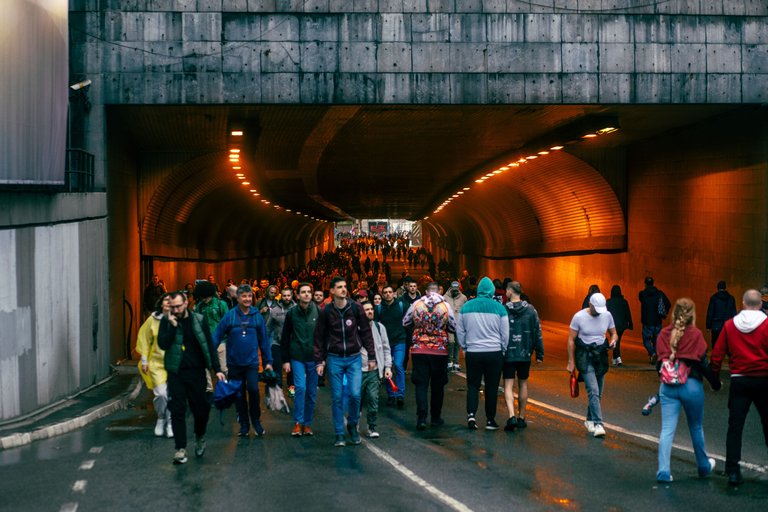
<point>654,307</point>
<point>722,307</point>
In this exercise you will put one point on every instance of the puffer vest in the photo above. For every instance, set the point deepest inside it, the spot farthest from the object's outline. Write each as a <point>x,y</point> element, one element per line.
<point>174,353</point>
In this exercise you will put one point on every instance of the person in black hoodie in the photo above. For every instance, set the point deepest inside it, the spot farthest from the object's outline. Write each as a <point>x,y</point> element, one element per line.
<point>654,306</point>
<point>722,307</point>
<point>618,307</point>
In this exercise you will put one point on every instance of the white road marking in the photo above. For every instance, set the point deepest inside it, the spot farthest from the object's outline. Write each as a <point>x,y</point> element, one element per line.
<point>79,485</point>
<point>87,464</point>
<point>452,503</point>
<point>96,449</point>
<point>68,507</point>
<point>652,439</point>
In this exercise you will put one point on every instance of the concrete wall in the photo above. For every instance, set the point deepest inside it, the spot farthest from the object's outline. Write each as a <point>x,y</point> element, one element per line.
<point>54,313</point>
<point>421,51</point>
<point>697,213</point>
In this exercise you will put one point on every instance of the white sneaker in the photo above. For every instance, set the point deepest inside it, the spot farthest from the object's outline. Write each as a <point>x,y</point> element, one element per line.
<point>168,430</point>
<point>599,431</point>
<point>617,362</point>
<point>590,426</point>
<point>160,427</point>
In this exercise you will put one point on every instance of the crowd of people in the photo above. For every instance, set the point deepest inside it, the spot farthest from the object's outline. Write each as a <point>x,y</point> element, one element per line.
<point>327,322</point>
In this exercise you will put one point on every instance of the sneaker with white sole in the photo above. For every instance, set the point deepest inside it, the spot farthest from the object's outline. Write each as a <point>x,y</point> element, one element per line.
<point>160,427</point>
<point>168,430</point>
<point>199,447</point>
<point>590,426</point>
<point>599,430</point>
<point>709,470</point>
<point>180,457</point>
<point>372,432</point>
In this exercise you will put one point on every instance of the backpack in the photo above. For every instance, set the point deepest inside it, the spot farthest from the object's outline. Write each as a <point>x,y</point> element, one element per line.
<point>674,373</point>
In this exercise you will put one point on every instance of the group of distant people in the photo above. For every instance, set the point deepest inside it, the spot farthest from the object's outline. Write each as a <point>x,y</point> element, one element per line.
<point>357,343</point>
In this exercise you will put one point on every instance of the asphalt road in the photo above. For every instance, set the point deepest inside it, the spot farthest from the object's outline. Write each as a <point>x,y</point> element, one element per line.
<point>117,464</point>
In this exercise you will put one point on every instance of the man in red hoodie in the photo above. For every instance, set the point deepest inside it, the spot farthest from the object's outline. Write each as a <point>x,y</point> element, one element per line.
<point>745,340</point>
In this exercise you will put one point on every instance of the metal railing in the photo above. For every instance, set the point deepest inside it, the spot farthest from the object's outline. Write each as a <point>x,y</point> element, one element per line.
<point>79,171</point>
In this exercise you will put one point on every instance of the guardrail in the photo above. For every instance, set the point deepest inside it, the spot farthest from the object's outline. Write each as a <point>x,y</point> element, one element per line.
<point>79,171</point>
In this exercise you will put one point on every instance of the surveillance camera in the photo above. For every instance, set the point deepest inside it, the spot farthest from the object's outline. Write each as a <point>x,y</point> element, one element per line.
<point>81,85</point>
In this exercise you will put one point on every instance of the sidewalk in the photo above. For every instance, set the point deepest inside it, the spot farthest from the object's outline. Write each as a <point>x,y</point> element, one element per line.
<point>112,394</point>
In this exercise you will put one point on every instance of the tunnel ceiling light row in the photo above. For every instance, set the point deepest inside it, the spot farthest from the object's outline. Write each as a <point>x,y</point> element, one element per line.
<point>607,126</point>
<point>237,168</point>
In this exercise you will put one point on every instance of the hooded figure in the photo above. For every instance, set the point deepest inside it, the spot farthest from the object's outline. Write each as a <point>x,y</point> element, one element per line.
<point>722,306</point>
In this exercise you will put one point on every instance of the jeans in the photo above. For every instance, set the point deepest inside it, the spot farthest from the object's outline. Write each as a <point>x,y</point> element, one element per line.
<point>247,406</point>
<point>744,391</point>
<point>429,369</point>
<point>481,365</point>
<point>370,396</point>
<point>650,333</point>
<point>398,371</point>
<point>594,386</point>
<point>305,382</point>
<point>187,386</point>
<point>691,396</point>
<point>338,367</point>
<point>453,349</point>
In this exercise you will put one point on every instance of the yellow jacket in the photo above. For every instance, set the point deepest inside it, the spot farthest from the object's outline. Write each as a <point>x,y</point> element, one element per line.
<point>147,348</point>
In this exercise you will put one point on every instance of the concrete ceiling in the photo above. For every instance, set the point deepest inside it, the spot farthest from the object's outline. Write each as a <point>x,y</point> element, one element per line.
<point>340,162</point>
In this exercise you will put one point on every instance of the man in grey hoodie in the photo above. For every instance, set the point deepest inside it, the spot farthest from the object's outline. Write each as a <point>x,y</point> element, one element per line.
<point>483,333</point>
<point>372,378</point>
<point>524,338</point>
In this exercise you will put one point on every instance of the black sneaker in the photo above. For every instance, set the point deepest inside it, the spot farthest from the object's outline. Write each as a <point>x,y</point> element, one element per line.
<point>421,424</point>
<point>491,425</point>
<point>521,423</point>
<point>244,430</point>
<point>340,442</point>
<point>199,447</point>
<point>471,422</point>
<point>735,478</point>
<point>511,424</point>
<point>437,422</point>
<point>354,435</point>
<point>391,401</point>
<point>400,403</point>
<point>259,429</point>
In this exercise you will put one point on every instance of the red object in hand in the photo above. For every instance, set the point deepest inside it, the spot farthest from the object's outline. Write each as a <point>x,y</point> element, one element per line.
<point>574,385</point>
<point>392,384</point>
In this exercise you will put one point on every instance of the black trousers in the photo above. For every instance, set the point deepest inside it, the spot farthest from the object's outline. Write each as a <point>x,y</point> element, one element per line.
<point>247,406</point>
<point>187,386</point>
<point>743,393</point>
<point>428,369</point>
<point>488,366</point>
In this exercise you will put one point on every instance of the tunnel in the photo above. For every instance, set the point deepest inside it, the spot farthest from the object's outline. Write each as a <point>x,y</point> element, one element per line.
<point>558,197</point>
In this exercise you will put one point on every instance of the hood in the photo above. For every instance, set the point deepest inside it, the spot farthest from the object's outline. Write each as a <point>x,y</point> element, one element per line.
<point>485,288</point>
<point>516,308</point>
<point>432,298</point>
<point>722,295</point>
<point>749,320</point>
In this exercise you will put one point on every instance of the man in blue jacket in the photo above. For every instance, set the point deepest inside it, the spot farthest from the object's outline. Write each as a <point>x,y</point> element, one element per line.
<point>245,333</point>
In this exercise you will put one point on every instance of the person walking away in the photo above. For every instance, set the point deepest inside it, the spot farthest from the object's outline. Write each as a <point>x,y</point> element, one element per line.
<point>593,289</point>
<point>682,343</point>
<point>297,345</point>
<point>244,332</point>
<point>722,307</point>
<point>654,306</point>
<point>744,339</point>
<point>189,354</point>
<point>152,366</point>
<point>618,307</point>
<point>483,333</point>
<point>431,319</point>
<point>371,383</point>
<point>588,351</point>
<point>525,338</point>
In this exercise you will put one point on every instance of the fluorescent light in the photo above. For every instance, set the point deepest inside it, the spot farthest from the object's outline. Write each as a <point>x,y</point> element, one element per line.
<point>236,133</point>
<point>531,157</point>
<point>234,150</point>
<point>589,136</point>
<point>556,148</point>
<point>246,183</point>
<point>543,152</point>
<point>606,130</point>
<point>466,188</point>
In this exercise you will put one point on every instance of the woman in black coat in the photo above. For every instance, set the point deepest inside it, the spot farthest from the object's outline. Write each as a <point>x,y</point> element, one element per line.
<point>618,307</point>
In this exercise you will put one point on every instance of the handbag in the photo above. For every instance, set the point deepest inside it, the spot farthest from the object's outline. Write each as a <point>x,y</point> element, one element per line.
<point>574,384</point>
<point>674,373</point>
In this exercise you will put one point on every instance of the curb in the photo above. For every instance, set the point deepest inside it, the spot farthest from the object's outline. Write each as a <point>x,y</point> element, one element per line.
<point>63,427</point>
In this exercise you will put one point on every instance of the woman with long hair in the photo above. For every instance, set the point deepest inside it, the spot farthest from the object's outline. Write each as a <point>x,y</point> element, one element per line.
<point>683,343</point>
<point>152,365</point>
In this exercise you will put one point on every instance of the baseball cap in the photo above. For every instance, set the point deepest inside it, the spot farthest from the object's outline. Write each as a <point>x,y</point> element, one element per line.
<point>455,284</point>
<point>598,300</point>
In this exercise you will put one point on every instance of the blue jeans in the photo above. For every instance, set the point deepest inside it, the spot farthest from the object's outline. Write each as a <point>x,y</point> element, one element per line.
<point>338,367</point>
<point>691,396</point>
<point>305,382</point>
<point>594,386</point>
<point>398,371</point>
<point>650,333</point>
